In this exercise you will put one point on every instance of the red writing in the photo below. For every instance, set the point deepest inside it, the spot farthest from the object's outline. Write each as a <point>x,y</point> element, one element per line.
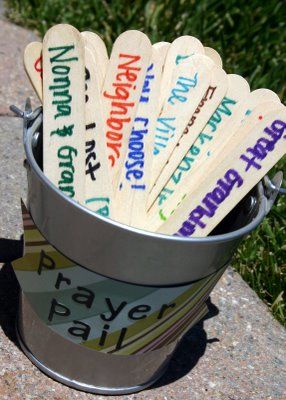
<point>38,65</point>
<point>207,96</point>
<point>119,115</point>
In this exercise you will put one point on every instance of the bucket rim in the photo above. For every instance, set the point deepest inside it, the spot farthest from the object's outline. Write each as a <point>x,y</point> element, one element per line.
<point>28,136</point>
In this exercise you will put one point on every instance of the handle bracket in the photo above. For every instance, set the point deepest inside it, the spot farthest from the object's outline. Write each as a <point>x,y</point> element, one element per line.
<point>273,188</point>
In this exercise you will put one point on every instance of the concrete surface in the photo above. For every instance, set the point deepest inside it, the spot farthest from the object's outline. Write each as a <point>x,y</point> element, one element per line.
<point>14,84</point>
<point>236,353</point>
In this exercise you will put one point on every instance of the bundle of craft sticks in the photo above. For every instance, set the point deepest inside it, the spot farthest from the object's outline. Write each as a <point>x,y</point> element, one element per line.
<point>158,136</point>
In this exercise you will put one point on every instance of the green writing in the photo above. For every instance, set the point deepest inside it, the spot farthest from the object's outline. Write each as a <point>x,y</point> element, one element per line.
<point>187,162</point>
<point>61,82</point>
<point>102,210</point>
<point>222,109</point>
<point>66,131</point>
<point>62,50</point>
<point>65,184</point>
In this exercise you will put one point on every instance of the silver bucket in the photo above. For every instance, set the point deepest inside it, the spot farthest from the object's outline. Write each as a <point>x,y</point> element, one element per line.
<point>104,306</point>
<point>128,254</point>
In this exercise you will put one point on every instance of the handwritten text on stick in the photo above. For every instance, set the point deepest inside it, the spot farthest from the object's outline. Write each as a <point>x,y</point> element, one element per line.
<point>189,83</point>
<point>63,100</point>
<point>206,105</point>
<point>121,92</point>
<point>133,188</point>
<point>98,188</point>
<point>126,79</point>
<point>231,180</point>
<point>223,111</point>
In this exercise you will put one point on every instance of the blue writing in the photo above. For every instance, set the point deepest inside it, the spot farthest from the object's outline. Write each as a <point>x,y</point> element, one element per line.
<point>180,58</point>
<point>166,132</point>
<point>146,86</point>
<point>164,195</point>
<point>135,156</point>
<point>183,85</point>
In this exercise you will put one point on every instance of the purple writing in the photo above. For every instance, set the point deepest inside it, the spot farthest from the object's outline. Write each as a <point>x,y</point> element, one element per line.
<point>264,145</point>
<point>210,203</point>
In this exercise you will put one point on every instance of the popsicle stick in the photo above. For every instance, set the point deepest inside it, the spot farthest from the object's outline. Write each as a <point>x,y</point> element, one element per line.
<point>213,55</point>
<point>133,189</point>
<point>167,208</point>
<point>231,90</point>
<point>163,47</point>
<point>98,190</point>
<point>228,126</point>
<point>234,176</point>
<point>224,125</point>
<point>98,48</point>
<point>64,105</point>
<point>180,49</point>
<point>175,151</point>
<point>191,79</point>
<point>123,84</point>
<point>33,66</point>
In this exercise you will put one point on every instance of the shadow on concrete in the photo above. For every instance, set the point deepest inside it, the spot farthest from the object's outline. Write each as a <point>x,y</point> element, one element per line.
<point>9,288</point>
<point>191,348</point>
<point>9,296</point>
<point>10,249</point>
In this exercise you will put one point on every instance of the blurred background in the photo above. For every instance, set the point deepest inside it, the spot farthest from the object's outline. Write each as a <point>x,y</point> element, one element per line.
<point>250,36</point>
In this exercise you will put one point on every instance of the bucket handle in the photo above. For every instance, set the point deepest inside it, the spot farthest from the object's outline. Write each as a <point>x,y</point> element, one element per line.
<point>28,114</point>
<point>272,188</point>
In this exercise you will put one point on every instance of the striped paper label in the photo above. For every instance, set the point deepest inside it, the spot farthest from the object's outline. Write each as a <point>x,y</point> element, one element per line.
<point>101,313</point>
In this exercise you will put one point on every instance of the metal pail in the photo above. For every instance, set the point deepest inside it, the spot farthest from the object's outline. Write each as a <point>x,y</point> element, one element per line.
<point>120,251</point>
<point>121,344</point>
<point>104,305</point>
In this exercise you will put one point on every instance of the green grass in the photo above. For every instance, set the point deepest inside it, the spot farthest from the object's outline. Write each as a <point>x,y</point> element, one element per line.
<point>261,258</point>
<point>251,37</point>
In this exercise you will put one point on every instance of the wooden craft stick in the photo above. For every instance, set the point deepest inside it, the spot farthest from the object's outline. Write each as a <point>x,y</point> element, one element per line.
<point>33,66</point>
<point>224,123</point>
<point>131,197</point>
<point>123,84</point>
<point>64,105</point>
<point>229,126</point>
<point>245,103</point>
<point>98,48</point>
<point>190,81</point>
<point>167,208</point>
<point>180,49</point>
<point>184,161</point>
<point>168,160</point>
<point>234,176</point>
<point>98,190</point>
<point>164,47</point>
<point>213,55</point>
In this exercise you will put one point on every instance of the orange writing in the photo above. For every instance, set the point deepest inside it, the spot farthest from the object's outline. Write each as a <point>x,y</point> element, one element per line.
<point>119,116</point>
